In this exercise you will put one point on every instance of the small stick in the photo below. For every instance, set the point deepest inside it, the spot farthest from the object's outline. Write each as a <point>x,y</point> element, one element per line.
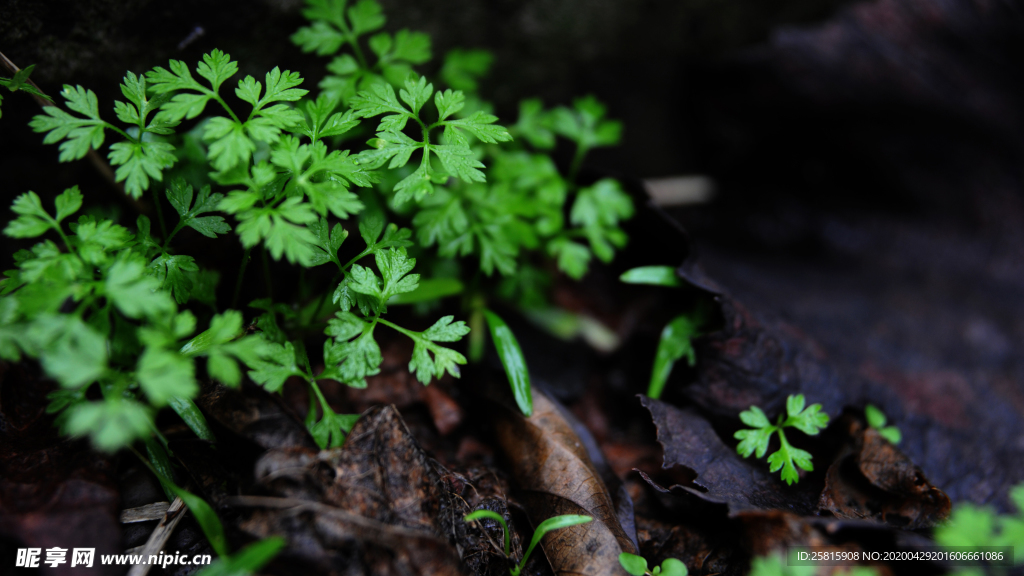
<point>160,535</point>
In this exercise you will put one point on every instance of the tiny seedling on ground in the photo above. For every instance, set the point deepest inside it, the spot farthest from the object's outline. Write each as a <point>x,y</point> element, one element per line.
<point>637,566</point>
<point>677,336</point>
<point>549,525</point>
<point>877,420</point>
<point>809,420</point>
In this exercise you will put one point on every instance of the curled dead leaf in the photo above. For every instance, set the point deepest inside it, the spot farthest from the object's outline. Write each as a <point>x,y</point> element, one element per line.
<point>876,481</point>
<point>551,464</point>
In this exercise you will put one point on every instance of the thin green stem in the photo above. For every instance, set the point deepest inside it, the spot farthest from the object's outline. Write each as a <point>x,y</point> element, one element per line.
<point>224,104</point>
<point>266,274</point>
<point>323,299</point>
<point>396,327</point>
<point>577,162</point>
<point>181,224</point>
<point>241,275</point>
<point>122,132</point>
<point>159,212</point>
<point>353,41</point>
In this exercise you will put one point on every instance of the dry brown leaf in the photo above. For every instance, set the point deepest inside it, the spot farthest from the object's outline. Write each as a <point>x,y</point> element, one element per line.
<point>878,482</point>
<point>551,465</point>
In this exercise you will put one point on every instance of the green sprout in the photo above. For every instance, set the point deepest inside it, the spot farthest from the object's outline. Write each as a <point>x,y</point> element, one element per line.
<point>809,420</point>
<point>549,525</point>
<point>876,419</point>
<point>677,336</point>
<point>637,566</point>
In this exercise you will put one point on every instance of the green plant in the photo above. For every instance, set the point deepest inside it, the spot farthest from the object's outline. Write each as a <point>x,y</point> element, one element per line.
<point>21,82</point>
<point>549,525</point>
<point>877,420</point>
<point>809,420</point>
<point>637,566</point>
<point>972,525</point>
<point>676,341</point>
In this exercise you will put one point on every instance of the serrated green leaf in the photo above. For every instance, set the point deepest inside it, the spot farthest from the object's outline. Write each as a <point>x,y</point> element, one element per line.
<point>350,362</point>
<point>138,162</point>
<point>365,16</point>
<point>110,424</point>
<point>459,161</point>
<point>32,218</point>
<point>462,69</point>
<point>229,144</point>
<point>79,134</point>
<point>272,364</point>
<point>217,67</point>
<point>164,374</point>
<point>573,258</point>
<point>134,293</point>
<point>172,273</point>
<point>70,351</point>
<point>481,125</point>
<point>412,47</point>
<point>416,93</point>
<point>68,203</point>
<point>534,124</point>
<point>319,37</point>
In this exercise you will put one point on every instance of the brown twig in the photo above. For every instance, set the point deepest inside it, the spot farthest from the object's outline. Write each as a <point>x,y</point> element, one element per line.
<point>158,538</point>
<point>94,157</point>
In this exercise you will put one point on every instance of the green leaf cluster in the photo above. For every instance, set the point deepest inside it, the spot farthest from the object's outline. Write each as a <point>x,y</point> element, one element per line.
<point>810,420</point>
<point>334,24</point>
<point>95,311</point>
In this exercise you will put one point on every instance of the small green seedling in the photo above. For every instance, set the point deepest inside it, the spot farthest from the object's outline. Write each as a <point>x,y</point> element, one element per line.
<point>637,566</point>
<point>676,343</point>
<point>877,420</point>
<point>809,420</point>
<point>677,336</point>
<point>549,525</point>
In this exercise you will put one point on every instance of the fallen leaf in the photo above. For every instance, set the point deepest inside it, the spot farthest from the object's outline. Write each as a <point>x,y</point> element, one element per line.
<point>556,475</point>
<point>721,475</point>
<point>876,481</point>
<point>394,498</point>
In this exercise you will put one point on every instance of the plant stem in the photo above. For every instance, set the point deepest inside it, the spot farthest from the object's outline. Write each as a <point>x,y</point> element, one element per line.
<point>323,299</point>
<point>577,162</point>
<point>159,213</point>
<point>241,275</point>
<point>266,274</point>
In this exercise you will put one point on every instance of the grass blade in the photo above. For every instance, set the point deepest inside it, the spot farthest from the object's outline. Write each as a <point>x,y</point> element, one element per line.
<point>512,359</point>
